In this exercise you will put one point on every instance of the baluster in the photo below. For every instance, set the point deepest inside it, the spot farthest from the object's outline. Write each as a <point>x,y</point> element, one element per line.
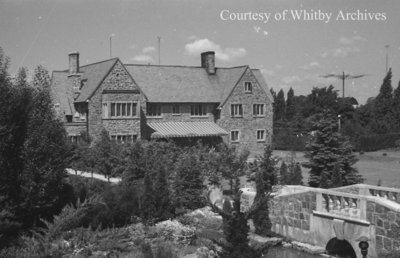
<point>338,205</point>
<point>330,204</point>
<point>372,192</point>
<point>354,208</point>
<point>346,206</point>
<point>324,203</point>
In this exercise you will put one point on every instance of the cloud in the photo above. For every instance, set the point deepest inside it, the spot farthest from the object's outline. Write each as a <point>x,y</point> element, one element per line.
<point>149,49</point>
<point>267,72</point>
<point>225,54</point>
<point>310,66</point>
<point>340,52</point>
<point>318,79</point>
<point>133,46</point>
<point>143,58</point>
<point>291,79</point>
<point>350,40</point>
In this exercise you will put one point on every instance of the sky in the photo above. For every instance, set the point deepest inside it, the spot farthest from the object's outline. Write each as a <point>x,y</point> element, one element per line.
<point>294,43</point>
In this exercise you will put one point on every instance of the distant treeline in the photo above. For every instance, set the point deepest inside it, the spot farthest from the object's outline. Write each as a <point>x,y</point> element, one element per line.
<point>369,127</point>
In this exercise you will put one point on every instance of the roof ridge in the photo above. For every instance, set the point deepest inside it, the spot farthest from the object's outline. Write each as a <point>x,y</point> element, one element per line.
<point>184,66</point>
<point>99,62</point>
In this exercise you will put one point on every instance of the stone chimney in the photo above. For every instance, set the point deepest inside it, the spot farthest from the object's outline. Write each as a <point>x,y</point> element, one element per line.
<point>74,77</point>
<point>208,61</point>
<point>73,62</point>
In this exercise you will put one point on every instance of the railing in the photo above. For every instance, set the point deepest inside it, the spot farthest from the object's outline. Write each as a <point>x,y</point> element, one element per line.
<point>339,204</point>
<point>392,194</point>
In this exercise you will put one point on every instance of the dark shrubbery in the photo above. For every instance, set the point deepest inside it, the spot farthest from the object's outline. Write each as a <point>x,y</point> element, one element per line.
<point>289,142</point>
<point>374,142</point>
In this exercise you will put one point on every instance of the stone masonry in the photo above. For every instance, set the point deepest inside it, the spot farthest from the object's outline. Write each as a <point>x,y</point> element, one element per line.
<point>248,124</point>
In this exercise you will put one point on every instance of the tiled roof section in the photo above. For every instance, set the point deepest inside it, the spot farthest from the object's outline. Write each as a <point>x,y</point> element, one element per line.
<point>260,78</point>
<point>94,74</point>
<point>61,93</point>
<point>183,83</point>
<point>185,129</point>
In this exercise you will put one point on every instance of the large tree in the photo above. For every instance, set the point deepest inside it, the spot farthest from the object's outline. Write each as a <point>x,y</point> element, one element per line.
<point>383,106</point>
<point>290,105</point>
<point>327,149</point>
<point>280,106</point>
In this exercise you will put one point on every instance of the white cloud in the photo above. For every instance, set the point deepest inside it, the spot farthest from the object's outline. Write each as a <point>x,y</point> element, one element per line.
<point>143,58</point>
<point>318,79</point>
<point>225,54</point>
<point>149,49</point>
<point>267,72</point>
<point>310,66</point>
<point>350,40</point>
<point>133,46</point>
<point>291,79</point>
<point>340,52</point>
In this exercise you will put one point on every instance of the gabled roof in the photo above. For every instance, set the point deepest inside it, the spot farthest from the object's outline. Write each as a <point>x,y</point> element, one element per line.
<point>94,74</point>
<point>263,83</point>
<point>184,83</point>
<point>159,83</point>
<point>61,93</point>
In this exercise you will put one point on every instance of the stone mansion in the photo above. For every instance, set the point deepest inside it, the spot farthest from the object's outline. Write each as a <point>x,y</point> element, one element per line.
<point>134,101</point>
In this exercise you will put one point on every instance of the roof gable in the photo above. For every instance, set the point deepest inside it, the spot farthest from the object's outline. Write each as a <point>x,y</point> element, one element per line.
<point>261,80</point>
<point>94,74</point>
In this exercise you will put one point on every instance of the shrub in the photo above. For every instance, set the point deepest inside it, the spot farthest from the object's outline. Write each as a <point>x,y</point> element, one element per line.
<point>374,142</point>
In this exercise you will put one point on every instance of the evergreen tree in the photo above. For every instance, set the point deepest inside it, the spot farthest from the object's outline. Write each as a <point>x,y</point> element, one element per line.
<point>41,78</point>
<point>290,105</point>
<point>106,154</point>
<point>383,106</point>
<point>337,176</point>
<point>284,173</point>
<point>280,106</point>
<point>325,150</point>
<point>163,203</point>
<point>396,107</point>
<point>260,215</point>
<point>295,174</point>
<point>45,157</point>
<point>236,230</point>
<point>189,182</point>
<point>147,200</point>
<point>267,166</point>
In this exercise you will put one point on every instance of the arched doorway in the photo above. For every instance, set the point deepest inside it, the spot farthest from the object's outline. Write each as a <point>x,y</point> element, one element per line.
<point>340,248</point>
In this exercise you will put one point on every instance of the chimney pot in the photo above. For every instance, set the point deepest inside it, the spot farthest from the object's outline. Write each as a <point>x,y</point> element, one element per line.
<point>73,62</point>
<point>208,61</point>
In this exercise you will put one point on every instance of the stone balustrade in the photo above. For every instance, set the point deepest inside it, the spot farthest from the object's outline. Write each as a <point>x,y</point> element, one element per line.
<point>392,194</point>
<point>341,204</point>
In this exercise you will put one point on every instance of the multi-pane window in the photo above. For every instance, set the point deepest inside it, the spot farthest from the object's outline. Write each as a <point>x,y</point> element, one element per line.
<point>260,135</point>
<point>123,138</point>
<point>119,110</point>
<point>176,109</point>
<point>235,136</point>
<point>236,110</point>
<point>248,87</point>
<point>198,110</point>
<point>153,109</point>
<point>258,109</point>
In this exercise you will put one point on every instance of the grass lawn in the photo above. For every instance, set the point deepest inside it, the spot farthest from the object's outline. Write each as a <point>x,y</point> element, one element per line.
<point>371,165</point>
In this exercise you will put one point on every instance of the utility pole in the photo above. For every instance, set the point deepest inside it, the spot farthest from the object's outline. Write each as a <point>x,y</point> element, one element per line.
<point>111,36</point>
<point>159,50</point>
<point>387,57</point>
<point>343,77</point>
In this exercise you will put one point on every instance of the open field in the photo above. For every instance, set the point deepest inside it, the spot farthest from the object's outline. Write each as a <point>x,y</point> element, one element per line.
<point>372,165</point>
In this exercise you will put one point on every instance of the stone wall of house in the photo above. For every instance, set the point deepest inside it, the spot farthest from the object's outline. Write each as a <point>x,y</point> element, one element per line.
<point>75,129</point>
<point>293,210</point>
<point>248,124</point>
<point>387,227</point>
<point>117,80</point>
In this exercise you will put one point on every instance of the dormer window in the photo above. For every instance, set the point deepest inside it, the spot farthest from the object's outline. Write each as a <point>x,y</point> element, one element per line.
<point>248,87</point>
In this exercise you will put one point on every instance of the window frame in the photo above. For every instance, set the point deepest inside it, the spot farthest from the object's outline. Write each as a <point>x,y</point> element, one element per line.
<point>176,109</point>
<point>248,87</point>
<point>264,134</point>
<point>231,136</point>
<point>237,110</point>
<point>114,109</point>
<point>255,110</point>
<point>154,110</point>
<point>198,110</point>
<point>119,138</point>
